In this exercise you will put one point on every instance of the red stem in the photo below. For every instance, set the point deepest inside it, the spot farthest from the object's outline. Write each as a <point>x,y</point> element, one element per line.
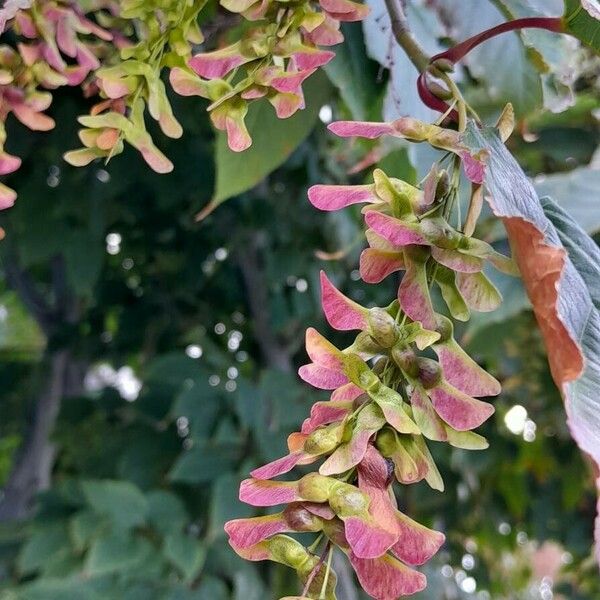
<point>459,51</point>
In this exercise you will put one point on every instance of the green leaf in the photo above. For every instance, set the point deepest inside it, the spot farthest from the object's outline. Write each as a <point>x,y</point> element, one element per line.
<point>185,553</point>
<point>581,281</point>
<point>226,505</point>
<point>205,462</point>
<point>20,335</point>
<point>575,191</point>
<point>83,527</point>
<point>42,546</point>
<point>353,73</point>
<point>166,511</point>
<point>273,141</point>
<point>581,19</point>
<point>117,552</point>
<point>84,256</point>
<point>121,501</point>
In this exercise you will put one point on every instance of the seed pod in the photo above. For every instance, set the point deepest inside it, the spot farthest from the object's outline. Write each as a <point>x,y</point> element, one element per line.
<point>443,64</point>
<point>288,551</point>
<point>443,185</point>
<point>347,500</point>
<point>315,487</point>
<point>324,439</point>
<point>430,372</point>
<point>444,328</point>
<point>437,90</point>
<point>441,234</point>
<point>300,519</point>
<point>406,359</point>
<point>382,327</point>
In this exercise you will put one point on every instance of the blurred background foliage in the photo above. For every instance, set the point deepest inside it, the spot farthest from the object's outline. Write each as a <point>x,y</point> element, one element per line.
<point>148,360</point>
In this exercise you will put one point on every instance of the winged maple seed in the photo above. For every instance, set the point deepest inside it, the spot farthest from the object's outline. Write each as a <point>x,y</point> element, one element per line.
<point>389,396</point>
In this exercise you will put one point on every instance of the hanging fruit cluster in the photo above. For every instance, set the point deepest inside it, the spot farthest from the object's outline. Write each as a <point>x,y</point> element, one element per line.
<point>389,396</point>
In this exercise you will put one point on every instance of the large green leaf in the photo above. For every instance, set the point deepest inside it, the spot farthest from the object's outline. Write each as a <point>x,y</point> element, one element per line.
<point>117,552</point>
<point>582,19</point>
<point>205,462</point>
<point>273,140</point>
<point>560,268</point>
<point>577,192</point>
<point>121,501</point>
<point>353,73</point>
<point>185,552</point>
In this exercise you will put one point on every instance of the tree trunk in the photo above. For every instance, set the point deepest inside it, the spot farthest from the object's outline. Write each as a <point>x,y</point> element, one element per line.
<point>32,467</point>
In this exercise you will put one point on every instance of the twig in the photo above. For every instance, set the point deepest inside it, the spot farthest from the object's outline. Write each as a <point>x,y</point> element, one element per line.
<point>404,37</point>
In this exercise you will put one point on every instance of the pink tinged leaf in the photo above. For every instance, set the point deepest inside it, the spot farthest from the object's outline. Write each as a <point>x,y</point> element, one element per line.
<point>248,532</point>
<point>349,391</point>
<point>478,291</point>
<point>321,377</point>
<point>427,419</point>
<point>348,454</point>
<point>86,58</point>
<point>396,232</point>
<point>215,65</point>
<point>8,163</point>
<point>257,552</point>
<point>474,168</point>
<point>369,421</point>
<point>323,511</point>
<point>463,372</point>
<point>187,84</point>
<point>335,197</point>
<point>24,21</point>
<point>66,38</point>
<point>341,312</point>
<point>386,578</point>
<point>391,404</point>
<point>459,410</point>
<point>75,75</point>
<point>286,104</point>
<point>7,197</point>
<point>417,543</point>
<point>366,537</point>
<point>257,492</point>
<point>430,185</point>
<point>278,467</point>
<point>360,129</point>
<point>376,265</point>
<point>409,465</point>
<point>312,58</point>
<point>378,242</point>
<point>155,158</point>
<point>36,121</point>
<point>322,352</point>
<point>414,297</point>
<point>457,261</point>
<point>254,92</point>
<point>323,413</point>
<point>289,82</point>
<point>353,10</point>
<point>326,34</point>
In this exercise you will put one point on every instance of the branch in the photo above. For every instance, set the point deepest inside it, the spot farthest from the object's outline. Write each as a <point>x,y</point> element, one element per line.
<point>404,37</point>
<point>33,464</point>
<point>276,355</point>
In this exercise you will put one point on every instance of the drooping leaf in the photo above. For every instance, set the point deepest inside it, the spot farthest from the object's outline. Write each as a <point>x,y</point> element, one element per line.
<point>575,191</point>
<point>121,501</point>
<point>273,141</point>
<point>559,266</point>
<point>353,74</point>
